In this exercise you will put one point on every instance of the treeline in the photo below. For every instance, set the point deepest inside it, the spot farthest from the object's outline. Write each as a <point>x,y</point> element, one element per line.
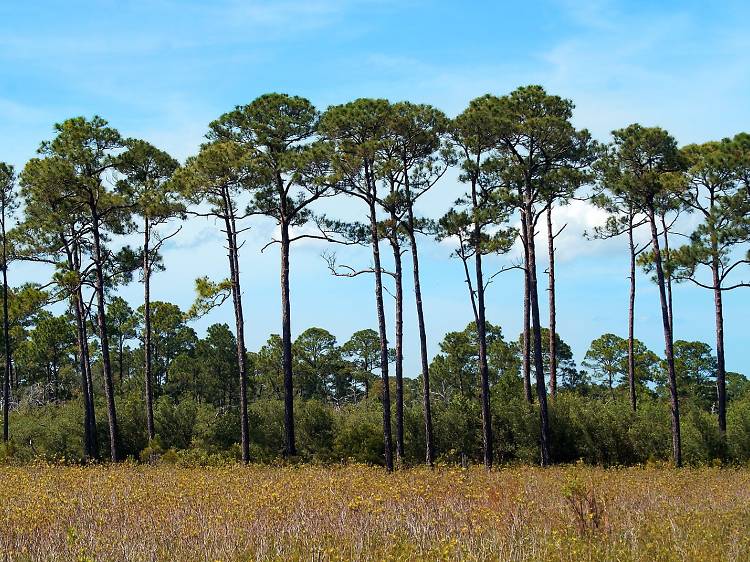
<point>520,158</point>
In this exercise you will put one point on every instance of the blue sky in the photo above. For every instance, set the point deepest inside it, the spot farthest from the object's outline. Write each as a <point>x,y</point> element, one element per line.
<point>162,69</point>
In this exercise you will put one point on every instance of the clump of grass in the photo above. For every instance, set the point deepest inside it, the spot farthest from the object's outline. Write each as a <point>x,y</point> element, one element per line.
<point>588,511</point>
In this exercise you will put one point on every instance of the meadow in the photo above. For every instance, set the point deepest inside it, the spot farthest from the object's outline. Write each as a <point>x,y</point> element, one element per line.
<point>356,512</point>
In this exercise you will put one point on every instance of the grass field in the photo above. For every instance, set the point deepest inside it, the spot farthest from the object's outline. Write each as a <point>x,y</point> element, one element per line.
<point>362,513</point>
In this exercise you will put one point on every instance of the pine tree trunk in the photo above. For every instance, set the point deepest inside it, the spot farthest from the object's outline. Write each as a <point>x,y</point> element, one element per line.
<point>526,318</point>
<point>426,400</point>
<point>541,388</point>
<point>382,332</point>
<point>148,375</point>
<point>552,311</point>
<point>6,336</point>
<point>90,415</point>
<point>290,448</point>
<point>88,427</point>
<point>668,350</point>
<point>234,272</point>
<point>239,320</point>
<point>631,317</point>
<point>484,371</point>
<point>668,277</point>
<point>399,333</point>
<point>109,390</point>
<point>721,385</point>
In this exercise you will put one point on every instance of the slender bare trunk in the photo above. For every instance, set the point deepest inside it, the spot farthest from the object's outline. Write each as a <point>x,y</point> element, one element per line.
<point>552,311</point>
<point>290,448</point>
<point>90,449</point>
<point>481,322</point>
<point>721,385</point>
<point>109,390</point>
<point>668,276</point>
<point>426,400</point>
<point>666,320</point>
<point>541,388</point>
<point>239,319</point>
<point>526,318</point>
<point>399,347</point>
<point>631,316</point>
<point>148,376</point>
<point>382,332</point>
<point>6,335</point>
<point>74,260</point>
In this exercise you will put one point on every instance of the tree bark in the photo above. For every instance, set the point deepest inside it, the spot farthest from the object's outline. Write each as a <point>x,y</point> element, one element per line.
<point>148,376</point>
<point>631,316</point>
<point>6,335</point>
<point>90,431</point>
<point>541,388</point>
<point>114,437</point>
<point>120,355</point>
<point>234,272</point>
<point>721,385</point>
<point>552,311</point>
<point>425,362</point>
<point>399,333</point>
<point>668,276</point>
<point>668,350</point>
<point>386,392</point>
<point>426,399</point>
<point>526,319</point>
<point>484,371</point>
<point>290,448</point>
<point>91,439</point>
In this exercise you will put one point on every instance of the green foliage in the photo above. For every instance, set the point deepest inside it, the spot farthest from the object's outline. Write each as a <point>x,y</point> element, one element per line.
<point>607,361</point>
<point>455,370</point>
<point>209,295</point>
<point>276,156</point>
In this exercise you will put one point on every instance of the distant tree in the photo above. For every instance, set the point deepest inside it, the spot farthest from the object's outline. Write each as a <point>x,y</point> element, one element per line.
<point>645,166</point>
<point>321,371</point>
<point>738,386</point>
<point>608,360</point>
<point>363,351</point>
<point>564,355</point>
<point>208,371</point>
<point>121,322</point>
<point>455,368</point>
<point>48,355</point>
<point>268,369</point>
<point>216,356</point>
<point>170,336</point>
<point>695,366</point>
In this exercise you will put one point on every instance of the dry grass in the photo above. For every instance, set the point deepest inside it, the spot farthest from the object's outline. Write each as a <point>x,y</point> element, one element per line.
<point>361,513</point>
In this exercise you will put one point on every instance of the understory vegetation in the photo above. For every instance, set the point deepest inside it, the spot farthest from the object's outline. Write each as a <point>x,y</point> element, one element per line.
<point>588,428</point>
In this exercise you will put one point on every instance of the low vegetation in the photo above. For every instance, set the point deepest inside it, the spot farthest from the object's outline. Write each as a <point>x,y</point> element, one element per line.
<point>355,512</point>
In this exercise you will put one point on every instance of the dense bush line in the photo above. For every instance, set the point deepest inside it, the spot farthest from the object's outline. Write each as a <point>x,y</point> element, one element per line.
<point>585,428</point>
